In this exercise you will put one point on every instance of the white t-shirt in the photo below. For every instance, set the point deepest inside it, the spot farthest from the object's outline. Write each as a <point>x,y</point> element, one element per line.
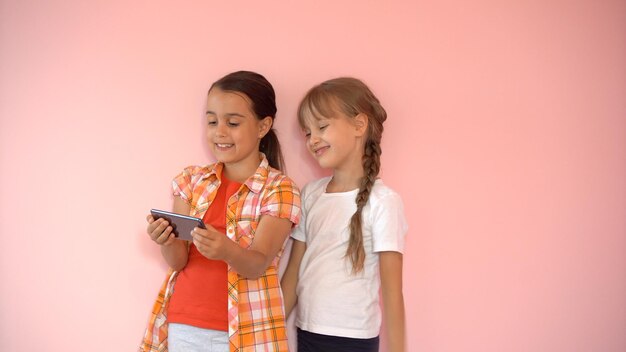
<point>331,300</point>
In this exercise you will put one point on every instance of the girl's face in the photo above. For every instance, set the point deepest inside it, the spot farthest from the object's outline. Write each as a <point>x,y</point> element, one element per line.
<point>233,130</point>
<point>336,142</point>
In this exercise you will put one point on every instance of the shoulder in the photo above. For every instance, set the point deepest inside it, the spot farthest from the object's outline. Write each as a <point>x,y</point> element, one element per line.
<point>279,195</point>
<point>275,187</point>
<point>386,218</point>
<point>384,201</point>
<point>383,193</point>
<point>275,178</point>
<point>195,173</point>
<point>199,170</point>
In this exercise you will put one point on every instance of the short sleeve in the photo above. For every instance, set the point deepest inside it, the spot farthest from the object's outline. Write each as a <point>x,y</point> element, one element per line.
<point>298,231</point>
<point>389,224</point>
<point>282,200</point>
<point>182,184</point>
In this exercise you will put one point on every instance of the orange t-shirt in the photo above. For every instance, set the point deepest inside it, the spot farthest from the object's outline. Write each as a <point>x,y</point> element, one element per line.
<point>200,295</point>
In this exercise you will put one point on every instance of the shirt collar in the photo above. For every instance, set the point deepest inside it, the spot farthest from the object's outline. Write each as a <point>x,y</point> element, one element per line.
<point>255,182</point>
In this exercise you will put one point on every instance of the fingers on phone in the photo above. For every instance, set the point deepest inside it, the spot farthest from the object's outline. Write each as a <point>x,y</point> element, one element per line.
<point>162,233</point>
<point>154,227</point>
<point>159,230</point>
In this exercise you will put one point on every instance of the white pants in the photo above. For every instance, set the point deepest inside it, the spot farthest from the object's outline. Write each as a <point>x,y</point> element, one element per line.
<point>187,338</point>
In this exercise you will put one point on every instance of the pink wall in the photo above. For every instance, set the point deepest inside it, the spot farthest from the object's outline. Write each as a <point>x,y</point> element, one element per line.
<point>506,138</point>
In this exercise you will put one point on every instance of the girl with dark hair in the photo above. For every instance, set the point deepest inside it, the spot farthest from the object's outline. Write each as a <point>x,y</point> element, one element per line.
<point>349,243</point>
<point>223,291</point>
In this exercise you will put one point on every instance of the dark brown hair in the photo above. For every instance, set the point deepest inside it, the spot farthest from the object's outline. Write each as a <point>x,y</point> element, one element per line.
<point>352,97</point>
<point>261,94</point>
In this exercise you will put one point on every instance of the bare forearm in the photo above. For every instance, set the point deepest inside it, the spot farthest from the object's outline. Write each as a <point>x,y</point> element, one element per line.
<point>395,322</point>
<point>288,285</point>
<point>393,299</point>
<point>248,263</point>
<point>251,262</point>
<point>290,277</point>
<point>175,254</point>
<point>269,238</point>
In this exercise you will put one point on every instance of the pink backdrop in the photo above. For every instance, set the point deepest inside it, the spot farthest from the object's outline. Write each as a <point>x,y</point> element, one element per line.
<point>506,139</point>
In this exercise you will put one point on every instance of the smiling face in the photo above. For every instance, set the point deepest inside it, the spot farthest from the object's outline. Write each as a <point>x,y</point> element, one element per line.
<point>234,131</point>
<point>335,142</point>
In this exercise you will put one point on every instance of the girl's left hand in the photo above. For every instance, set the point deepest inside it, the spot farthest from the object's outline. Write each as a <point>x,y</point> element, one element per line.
<point>211,243</point>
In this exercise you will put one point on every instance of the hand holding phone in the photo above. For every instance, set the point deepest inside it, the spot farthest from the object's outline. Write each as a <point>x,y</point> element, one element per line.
<point>181,224</point>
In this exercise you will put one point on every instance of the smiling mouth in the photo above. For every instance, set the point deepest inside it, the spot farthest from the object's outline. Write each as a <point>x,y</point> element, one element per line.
<point>223,145</point>
<point>320,151</point>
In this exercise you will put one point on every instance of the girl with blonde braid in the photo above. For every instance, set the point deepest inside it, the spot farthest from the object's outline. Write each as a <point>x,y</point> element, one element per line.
<point>350,240</point>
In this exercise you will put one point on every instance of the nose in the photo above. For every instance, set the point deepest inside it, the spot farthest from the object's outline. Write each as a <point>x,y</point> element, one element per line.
<point>221,129</point>
<point>313,139</point>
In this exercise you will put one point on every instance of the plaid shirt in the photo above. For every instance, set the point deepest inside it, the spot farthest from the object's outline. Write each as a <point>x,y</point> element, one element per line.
<point>256,318</point>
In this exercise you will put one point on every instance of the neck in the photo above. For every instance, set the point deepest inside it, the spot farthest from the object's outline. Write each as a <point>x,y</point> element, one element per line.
<point>344,181</point>
<point>240,171</point>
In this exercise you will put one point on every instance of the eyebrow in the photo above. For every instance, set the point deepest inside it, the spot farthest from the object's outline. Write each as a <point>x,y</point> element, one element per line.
<point>230,114</point>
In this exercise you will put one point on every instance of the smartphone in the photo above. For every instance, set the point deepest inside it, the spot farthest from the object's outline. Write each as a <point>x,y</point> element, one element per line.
<point>181,224</point>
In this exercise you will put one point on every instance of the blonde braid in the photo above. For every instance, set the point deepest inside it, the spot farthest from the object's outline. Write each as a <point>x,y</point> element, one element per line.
<point>352,97</point>
<point>371,166</point>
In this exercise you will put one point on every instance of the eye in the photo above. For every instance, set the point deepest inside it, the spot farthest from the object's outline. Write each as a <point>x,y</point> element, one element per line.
<point>233,124</point>
<point>323,127</point>
<point>212,122</point>
<point>307,134</point>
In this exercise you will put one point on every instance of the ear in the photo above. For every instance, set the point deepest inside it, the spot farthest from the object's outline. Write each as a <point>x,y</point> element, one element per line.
<point>265,126</point>
<point>360,122</point>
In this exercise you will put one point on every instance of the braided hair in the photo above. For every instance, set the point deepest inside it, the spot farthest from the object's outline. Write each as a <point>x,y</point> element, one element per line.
<point>352,97</point>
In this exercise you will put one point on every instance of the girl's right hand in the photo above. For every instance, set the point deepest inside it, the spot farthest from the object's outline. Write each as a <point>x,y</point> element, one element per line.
<point>160,231</point>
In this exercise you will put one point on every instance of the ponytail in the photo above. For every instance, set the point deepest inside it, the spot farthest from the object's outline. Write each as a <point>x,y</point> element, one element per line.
<point>261,93</point>
<point>270,146</point>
